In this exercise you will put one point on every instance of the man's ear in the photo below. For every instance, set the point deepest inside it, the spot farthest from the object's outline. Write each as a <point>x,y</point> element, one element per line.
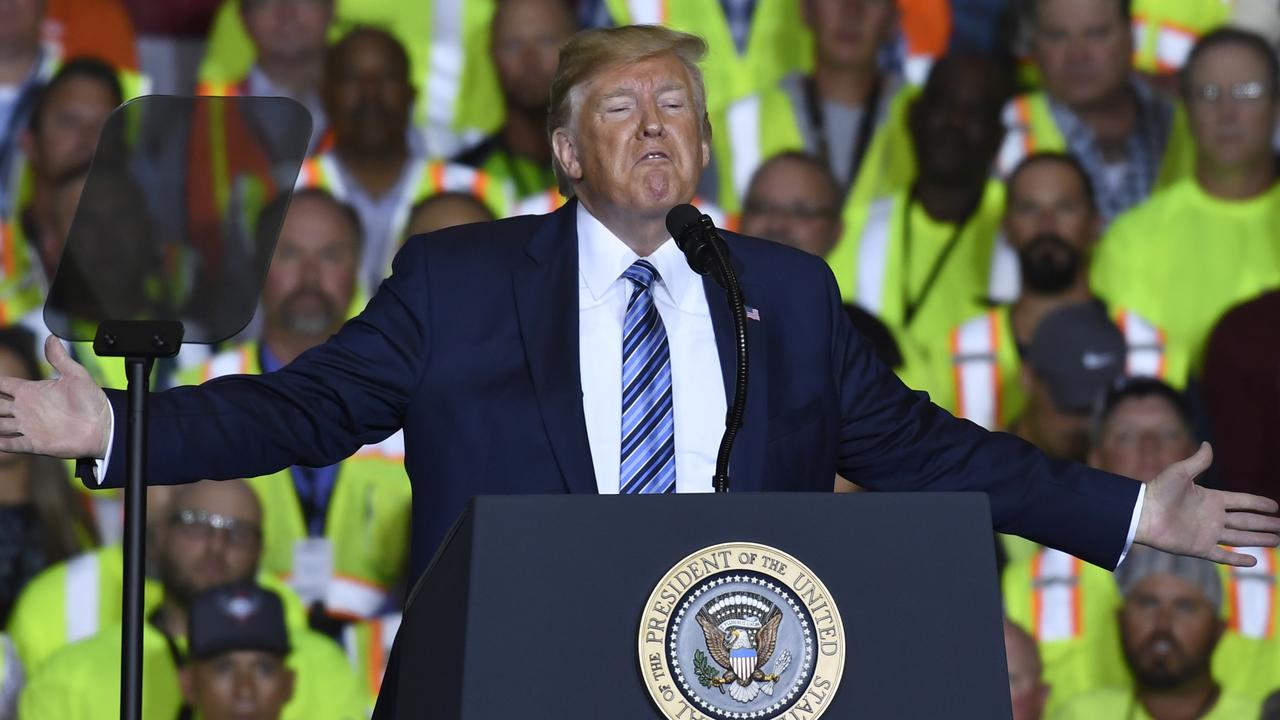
<point>566,153</point>
<point>1096,229</point>
<point>1026,377</point>
<point>290,683</point>
<point>185,682</point>
<point>706,141</point>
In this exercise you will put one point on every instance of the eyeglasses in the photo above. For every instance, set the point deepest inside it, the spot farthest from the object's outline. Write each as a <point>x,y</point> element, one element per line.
<point>1211,93</point>
<point>201,525</point>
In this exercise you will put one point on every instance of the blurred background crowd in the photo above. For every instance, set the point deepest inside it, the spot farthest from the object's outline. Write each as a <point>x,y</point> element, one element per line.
<point>1060,218</point>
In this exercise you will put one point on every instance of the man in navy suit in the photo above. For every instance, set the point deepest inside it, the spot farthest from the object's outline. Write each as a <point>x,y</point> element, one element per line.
<point>576,352</point>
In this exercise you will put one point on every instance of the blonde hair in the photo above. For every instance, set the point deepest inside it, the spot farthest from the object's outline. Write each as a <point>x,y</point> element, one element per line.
<point>591,52</point>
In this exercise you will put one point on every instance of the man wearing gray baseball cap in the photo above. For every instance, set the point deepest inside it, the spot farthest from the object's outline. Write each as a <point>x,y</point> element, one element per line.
<point>1170,623</point>
<point>1075,354</point>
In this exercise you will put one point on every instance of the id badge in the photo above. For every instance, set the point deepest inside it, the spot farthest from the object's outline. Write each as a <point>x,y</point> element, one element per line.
<point>312,568</point>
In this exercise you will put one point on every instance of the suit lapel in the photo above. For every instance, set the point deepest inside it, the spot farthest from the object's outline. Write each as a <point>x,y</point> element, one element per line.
<point>746,462</point>
<point>546,293</point>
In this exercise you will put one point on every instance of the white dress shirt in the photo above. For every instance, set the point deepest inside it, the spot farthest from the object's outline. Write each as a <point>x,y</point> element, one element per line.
<point>697,385</point>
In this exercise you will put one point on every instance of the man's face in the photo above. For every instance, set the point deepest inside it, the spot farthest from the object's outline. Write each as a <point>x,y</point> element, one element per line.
<point>287,29</point>
<point>527,35</point>
<point>847,33</point>
<point>239,685</point>
<point>1048,198</point>
<point>312,277</point>
<point>1234,129</point>
<point>1168,630</point>
<point>20,22</point>
<point>1084,49</point>
<point>367,94</point>
<point>69,126</point>
<point>1142,437</point>
<point>1027,690</point>
<point>1051,224</point>
<point>222,545</point>
<point>955,125</point>
<point>792,203</point>
<point>636,145</point>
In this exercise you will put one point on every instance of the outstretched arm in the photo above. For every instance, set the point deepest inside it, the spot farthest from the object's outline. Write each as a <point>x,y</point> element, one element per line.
<point>349,391</point>
<point>894,439</point>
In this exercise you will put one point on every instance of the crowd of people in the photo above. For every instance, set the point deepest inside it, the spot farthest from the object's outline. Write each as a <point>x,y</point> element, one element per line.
<point>1059,218</point>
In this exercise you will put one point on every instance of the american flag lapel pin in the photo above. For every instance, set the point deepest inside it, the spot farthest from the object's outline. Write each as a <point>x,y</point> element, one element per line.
<point>753,313</point>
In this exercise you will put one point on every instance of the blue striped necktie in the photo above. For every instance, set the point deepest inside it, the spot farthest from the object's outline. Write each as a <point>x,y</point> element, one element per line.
<point>648,422</point>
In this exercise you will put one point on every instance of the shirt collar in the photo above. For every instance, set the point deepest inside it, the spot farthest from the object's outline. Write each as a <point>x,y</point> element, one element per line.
<point>1150,106</point>
<point>602,258</point>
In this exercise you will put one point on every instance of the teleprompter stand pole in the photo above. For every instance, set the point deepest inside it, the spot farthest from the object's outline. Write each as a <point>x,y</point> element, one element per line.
<point>140,343</point>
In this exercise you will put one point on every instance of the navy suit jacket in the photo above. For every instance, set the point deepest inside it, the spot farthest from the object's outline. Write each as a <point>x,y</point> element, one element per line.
<point>471,346</point>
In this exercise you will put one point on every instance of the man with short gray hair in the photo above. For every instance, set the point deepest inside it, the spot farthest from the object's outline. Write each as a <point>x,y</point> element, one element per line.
<point>1170,624</point>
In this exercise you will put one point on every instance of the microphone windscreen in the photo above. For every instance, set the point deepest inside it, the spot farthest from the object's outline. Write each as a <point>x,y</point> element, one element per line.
<point>680,217</point>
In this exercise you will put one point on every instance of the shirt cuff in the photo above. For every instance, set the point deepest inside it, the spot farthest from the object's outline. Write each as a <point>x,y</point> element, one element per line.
<point>100,464</point>
<point>1133,523</point>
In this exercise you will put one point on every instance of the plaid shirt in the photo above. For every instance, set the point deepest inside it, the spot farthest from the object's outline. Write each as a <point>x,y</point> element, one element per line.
<point>1144,150</point>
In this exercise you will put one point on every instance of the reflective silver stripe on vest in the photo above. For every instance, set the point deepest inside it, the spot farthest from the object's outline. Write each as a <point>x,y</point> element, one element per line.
<point>1014,146</point>
<point>12,678</point>
<point>445,63</point>
<point>1006,277</point>
<point>390,626</point>
<point>743,118</point>
<point>1254,594</point>
<point>977,370</point>
<point>1145,343</point>
<point>1056,584</point>
<point>873,255</point>
<point>404,207</point>
<point>646,12</point>
<point>82,596</point>
<point>1173,45</point>
<point>234,362</point>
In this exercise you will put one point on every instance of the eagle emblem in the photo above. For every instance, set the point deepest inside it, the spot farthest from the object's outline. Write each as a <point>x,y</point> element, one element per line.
<point>741,632</point>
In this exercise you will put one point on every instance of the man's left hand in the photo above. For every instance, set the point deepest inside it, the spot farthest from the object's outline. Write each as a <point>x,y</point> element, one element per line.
<point>1181,517</point>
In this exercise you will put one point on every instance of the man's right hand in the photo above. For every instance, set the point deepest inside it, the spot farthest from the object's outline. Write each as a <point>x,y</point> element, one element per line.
<point>68,417</point>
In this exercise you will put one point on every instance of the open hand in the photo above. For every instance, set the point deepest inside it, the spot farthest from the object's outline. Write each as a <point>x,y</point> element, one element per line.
<point>67,418</point>
<point>1181,517</point>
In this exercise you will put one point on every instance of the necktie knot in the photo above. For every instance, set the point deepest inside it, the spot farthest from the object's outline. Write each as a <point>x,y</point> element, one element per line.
<point>642,273</point>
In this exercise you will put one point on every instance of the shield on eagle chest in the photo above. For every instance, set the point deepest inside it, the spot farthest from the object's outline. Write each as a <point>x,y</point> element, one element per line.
<point>744,662</point>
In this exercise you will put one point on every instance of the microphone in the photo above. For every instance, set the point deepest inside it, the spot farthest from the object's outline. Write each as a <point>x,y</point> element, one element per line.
<point>707,253</point>
<point>695,235</point>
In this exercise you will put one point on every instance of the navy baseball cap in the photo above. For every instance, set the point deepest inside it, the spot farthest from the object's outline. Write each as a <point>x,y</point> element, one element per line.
<point>238,616</point>
<point>1078,352</point>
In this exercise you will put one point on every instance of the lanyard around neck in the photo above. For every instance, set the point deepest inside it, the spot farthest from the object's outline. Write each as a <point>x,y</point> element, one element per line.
<point>910,306</point>
<point>866,128</point>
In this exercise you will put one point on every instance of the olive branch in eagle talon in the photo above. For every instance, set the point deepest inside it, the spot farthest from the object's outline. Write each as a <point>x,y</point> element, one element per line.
<point>707,675</point>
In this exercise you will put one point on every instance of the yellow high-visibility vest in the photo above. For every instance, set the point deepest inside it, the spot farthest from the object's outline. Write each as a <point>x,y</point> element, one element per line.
<point>1069,607</point>
<point>366,523</point>
<point>779,42</point>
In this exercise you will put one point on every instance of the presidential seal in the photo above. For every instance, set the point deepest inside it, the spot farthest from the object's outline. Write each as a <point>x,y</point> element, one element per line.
<point>738,631</point>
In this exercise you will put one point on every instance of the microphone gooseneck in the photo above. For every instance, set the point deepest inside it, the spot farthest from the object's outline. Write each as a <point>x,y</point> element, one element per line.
<point>707,253</point>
